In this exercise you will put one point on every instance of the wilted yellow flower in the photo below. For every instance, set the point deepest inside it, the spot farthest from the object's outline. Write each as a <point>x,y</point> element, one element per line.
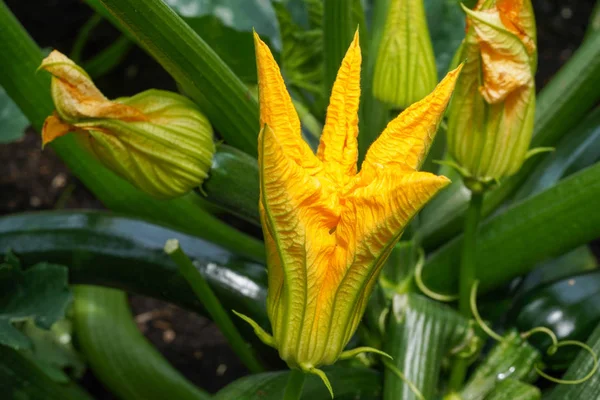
<point>329,228</point>
<point>405,70</point>
<point>159,141</point>
<point>490,119</point>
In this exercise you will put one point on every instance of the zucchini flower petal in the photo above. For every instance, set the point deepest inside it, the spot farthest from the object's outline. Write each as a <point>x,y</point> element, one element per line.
<point>328,228</point>
<point>157,140</point>
<point>405,70</point>
<point>490,119</point>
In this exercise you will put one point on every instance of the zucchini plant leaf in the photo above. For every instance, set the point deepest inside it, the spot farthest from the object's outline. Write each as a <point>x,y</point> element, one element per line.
<point>302,52</point>
<point>12,120</point>
<point>235,47</point>
<point>40,294</point>
<point>347,383</point>
<point>226,26</point>
<point>242,16</point>
<point>20,379</point>
<point>53,352</point>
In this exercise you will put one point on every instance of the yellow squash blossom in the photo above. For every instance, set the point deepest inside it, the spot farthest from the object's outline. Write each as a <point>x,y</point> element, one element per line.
<point>159,141</point>
<point>490,119</point>
<point>329,228</point>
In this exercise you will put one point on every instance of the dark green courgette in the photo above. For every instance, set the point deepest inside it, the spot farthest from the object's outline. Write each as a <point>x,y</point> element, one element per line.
<point>569,307</point>
<point>118,353</point>
<point>232,184</point>
<point>125,253</point>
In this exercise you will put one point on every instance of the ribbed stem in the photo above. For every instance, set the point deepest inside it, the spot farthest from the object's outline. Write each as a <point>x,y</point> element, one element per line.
<point>338,28</point>
<point>293,389</point>
<point>467,278</point>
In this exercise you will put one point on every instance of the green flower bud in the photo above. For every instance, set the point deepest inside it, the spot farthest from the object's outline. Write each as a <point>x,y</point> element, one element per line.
<point>158,141</point>
<point>405,70</point>
<point>490,118</point>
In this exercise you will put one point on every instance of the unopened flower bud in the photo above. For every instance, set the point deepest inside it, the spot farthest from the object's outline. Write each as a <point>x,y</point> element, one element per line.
<point>158,141</point>
<point>405,70</point>
<point>490,119</point>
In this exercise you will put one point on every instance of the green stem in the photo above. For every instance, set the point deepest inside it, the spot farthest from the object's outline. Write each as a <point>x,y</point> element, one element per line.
<point>468,255</point>
<point>338,29</point>
<point>467,279</point>
<point>293,389</point>
<point>213,305</point>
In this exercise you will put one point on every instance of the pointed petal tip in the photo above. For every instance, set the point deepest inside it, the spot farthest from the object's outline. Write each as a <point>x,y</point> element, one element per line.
<point>356,38</point>
<point>53,128</point>
<point>55,56</point>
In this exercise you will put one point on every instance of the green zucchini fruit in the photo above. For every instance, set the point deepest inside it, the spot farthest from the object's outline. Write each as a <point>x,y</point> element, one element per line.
<point>126,253</point>
<point>118,353</point>
<point>569,307</point>
<point>232,184</point>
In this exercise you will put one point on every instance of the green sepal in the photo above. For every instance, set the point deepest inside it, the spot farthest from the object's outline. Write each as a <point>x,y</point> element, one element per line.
<point>364,349</point>
<point>320,374</point>
<point>538,150</point>
<point>260,332</point>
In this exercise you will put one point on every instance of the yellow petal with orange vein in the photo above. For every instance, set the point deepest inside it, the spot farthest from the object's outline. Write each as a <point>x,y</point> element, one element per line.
<point>54,128</point>
<point>276,108</point>
<point>75,95</point>
<point>406,140</point>
<point>338,149</point>
<point>327,229</point>
<point>505,60</point>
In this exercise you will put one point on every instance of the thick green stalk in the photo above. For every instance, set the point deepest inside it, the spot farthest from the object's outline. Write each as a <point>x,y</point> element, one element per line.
<point>338,28</point>
<point>468,258</point>
<point>19,59</point>
<point>295,383</point>
<point>200,72</point>
<point>212,304</point>
<point>467,275</point>
<point>119,354</point>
